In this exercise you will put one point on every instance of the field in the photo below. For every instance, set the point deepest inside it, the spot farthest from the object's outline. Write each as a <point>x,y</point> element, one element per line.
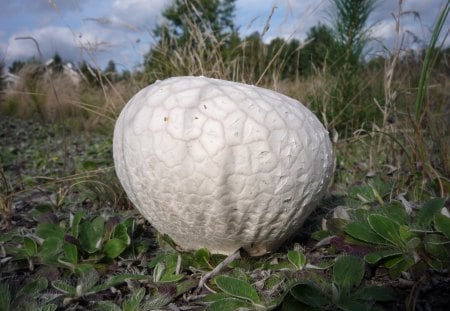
<point>380,239</point>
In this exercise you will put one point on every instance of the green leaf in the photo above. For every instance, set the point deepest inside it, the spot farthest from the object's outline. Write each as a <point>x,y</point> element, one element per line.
<point>375,293</point>
<point>50,249</point>
<point>215,296</point>
<point>229,304</point>
<point>70,253</point>
<point>8,236</point>
<point>83,268</point>
<point>348,271</point>
<point>397,212</point>
<point>386,228</point>
<point>87,281</point>
<point>91,234</point>
<point>157,301</point>
<point>120,232</point>
<point>442,224</point>
<point>48,230</point>
<point>309,295</point>
<point>375,257</point>
<point>186,285</point>
<point>118,279</point>
<point>34,287</point>
<point>89,165</point>
<point>289,303</point>
<point>171,262</point>
<point>132,303</point>
<point>237,288</point>
<point>425,215</point>
<point>397,265</point>
<point>171,278</point>
<point>64,287</point>
<point>297,259</point>
<point>412,244</point>
<point>130,224</point>
<point>107,306</point>
<point>166,268</point>
<point>30,246</point>
<point>158,271</point>
<point>405,233</point>
<point>361,231</point>
<point>201,258</point>
<point>155,260</point>
<point>336,226</point>
<point>437,246</point>
<point>114,247</point>
<point>75,223</point>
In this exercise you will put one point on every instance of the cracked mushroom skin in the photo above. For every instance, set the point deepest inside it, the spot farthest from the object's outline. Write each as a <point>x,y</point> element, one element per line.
<point>221,165</point>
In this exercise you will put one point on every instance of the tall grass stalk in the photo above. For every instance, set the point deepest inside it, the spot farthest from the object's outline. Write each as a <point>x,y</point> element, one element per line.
<point>427,64</point>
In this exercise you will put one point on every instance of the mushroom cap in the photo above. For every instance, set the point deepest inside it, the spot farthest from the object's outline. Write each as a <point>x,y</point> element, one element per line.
<point>221,165</point>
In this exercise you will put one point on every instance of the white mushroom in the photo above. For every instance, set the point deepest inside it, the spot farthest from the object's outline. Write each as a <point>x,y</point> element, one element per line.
<point>221,165</point>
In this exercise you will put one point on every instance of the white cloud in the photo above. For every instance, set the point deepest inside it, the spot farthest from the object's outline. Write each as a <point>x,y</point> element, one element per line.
<point>140,14</point>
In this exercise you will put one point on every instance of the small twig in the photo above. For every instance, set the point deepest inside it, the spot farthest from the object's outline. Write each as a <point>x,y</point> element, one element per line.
<point>218,268</point>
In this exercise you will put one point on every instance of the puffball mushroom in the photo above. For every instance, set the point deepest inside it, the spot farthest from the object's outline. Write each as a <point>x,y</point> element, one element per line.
<point>221,165</point>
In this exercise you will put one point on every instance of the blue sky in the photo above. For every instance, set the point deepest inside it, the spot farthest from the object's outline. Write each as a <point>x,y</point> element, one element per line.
<point>121,30</point>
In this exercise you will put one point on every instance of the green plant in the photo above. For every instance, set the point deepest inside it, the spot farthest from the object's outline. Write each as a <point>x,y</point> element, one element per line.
<point>26,298</point>
<point>5,200</point>
<point>88,282</point>
<point>402,241</point>
<point>76,245</point>
<point>345,290</point>
<point>236,293</point>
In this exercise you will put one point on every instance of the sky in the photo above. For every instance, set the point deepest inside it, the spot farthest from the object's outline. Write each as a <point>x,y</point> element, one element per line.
<point>121,30</point>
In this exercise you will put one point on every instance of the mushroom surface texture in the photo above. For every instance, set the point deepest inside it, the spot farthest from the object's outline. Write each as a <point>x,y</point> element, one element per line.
<point>221,165</point>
